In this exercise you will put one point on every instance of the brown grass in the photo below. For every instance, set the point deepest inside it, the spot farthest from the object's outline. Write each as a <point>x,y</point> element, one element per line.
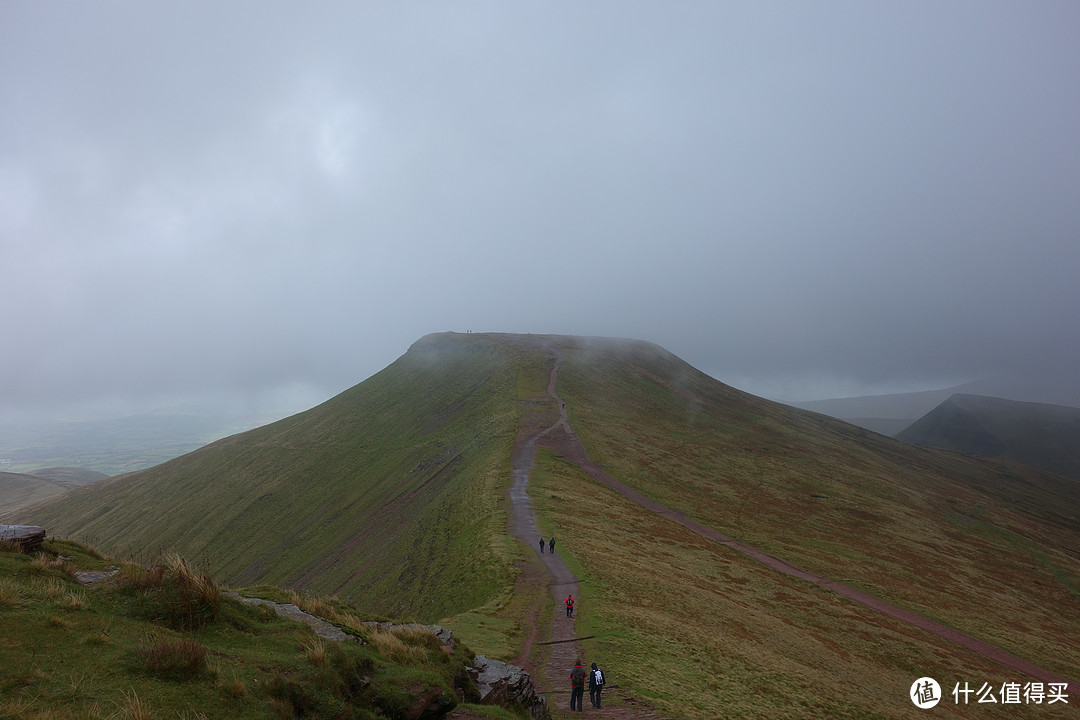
<point>10,546</point>
<point>133,708</point>
<point>401,645</point>
<point>10,596</point>
<point>978,547</point>
<point>704,632</point>
<point>315,652</point>
<point>43,562</point>
<point>323,609</point>
<point>173,593</point>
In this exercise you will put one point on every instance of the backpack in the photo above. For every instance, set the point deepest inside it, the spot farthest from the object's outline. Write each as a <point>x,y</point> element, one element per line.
<point>598,677</point>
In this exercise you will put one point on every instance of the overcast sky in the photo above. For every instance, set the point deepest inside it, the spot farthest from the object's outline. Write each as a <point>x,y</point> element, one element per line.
<point>272,201</point>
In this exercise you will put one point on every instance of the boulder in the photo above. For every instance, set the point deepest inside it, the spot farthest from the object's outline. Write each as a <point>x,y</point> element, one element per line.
<point>28,537</point>
<point>507,685</point>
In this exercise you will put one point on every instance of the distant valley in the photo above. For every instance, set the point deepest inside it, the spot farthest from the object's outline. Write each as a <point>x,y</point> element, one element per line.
<point>114,445</point>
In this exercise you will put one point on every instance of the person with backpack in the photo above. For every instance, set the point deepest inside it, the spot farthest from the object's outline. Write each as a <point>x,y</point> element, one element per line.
<point>541,546</point>
<point>596,684</point>
<point>577,686</point>
<point>569,606</point>
<point>551,545</point>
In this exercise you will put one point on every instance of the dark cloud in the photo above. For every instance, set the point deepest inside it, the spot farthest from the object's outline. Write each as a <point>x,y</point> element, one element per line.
<point>800,199</point>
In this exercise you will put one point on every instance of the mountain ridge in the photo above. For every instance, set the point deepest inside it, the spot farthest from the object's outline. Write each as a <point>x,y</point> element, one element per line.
<point>1037,434</point>
<point>890,414</point>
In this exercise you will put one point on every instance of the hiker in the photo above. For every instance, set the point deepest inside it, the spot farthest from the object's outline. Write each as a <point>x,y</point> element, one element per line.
<point>541,546</point>
<point>569,606</point>
<point>577,686</point>
<point>551,545</point>
<point>596,684</point>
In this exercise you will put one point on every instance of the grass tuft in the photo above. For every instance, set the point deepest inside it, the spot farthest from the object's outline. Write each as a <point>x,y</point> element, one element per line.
<point>10,546</point>
<point>133,708</point>
<point>73,601</point>
<point>232,687</point>
<point>181,659</point>
<point>404,646</point>
<point>10,596</point>
<point>172,594</point>
<point>315,651</point>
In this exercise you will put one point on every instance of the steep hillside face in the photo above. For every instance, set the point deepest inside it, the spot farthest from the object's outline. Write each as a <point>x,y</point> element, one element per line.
<point>365,496</point>
<point>1043,436</point>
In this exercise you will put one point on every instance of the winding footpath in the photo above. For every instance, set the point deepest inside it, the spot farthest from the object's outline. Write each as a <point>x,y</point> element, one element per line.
<point>561,438</point>
<point>565,647</point>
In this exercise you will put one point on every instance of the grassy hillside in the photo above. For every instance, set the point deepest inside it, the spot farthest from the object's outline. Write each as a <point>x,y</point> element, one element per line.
<point>168,642</point>
<point>1043,436</point>
<point>392,495</point>
<point>704,632</point>
<point>385,495</point>
<point>991,549</point>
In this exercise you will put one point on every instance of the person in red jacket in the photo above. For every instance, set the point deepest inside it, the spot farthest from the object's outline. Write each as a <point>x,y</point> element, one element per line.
<point>569,606</point>
<point>577,686</point>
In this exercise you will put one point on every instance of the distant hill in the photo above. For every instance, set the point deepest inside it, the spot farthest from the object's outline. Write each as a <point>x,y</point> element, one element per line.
<point>73,475</point>
<point>890,414</point>
<point>1039,435</point>
<point>393,495</point>
<point>18,490</point>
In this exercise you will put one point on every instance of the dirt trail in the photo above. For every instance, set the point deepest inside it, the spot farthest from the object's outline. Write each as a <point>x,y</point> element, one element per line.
<point>564,646</point>
<point>561,438</point>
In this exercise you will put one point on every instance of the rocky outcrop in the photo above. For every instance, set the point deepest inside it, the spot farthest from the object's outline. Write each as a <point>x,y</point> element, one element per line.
<point>28,537</point>
<point>446,638</point>
<point>321,627</point>
<point>508,685</point>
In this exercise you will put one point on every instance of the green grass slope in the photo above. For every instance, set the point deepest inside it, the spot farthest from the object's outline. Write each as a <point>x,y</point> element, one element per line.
<point>1043,436</point>
<point>168,642</point>
<point>385,495</point>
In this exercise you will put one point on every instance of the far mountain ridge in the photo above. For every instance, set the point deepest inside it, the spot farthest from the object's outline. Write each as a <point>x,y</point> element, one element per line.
<point>889,414</point>
<point>20,490</point>
<point>1036,434</point>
